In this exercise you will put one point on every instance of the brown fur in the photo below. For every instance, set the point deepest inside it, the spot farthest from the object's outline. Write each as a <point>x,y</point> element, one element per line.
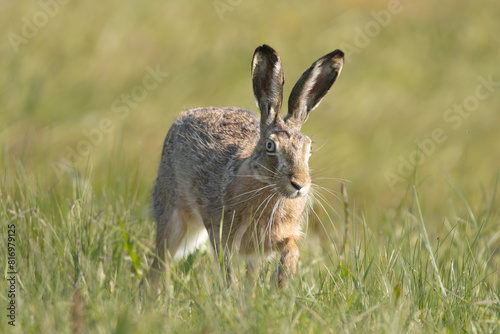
<point>219,172</point>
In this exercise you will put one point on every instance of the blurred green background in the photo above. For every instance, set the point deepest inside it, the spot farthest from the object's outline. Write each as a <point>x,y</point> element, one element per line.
<point>64,65</point>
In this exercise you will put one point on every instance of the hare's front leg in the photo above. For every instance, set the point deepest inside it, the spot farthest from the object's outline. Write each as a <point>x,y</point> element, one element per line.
<point>289,258</point>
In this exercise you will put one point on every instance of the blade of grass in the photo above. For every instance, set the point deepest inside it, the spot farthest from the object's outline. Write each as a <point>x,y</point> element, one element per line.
<point>427,243</point>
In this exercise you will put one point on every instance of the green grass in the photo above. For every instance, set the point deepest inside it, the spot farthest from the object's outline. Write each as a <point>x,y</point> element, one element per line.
<point>385,281</point>
<point>421,256</point>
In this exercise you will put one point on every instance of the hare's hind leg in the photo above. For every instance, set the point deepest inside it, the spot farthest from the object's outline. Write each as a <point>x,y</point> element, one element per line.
<point>171,229</point>
<point>195,235</point>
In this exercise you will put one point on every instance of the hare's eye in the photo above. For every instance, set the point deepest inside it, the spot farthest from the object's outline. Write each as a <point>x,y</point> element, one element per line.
<point>310,150</point>
<point>270,146</point>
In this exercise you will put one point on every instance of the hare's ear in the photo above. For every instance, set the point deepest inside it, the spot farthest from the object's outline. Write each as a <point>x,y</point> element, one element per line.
<point>312,86</point>
<point>267,79</point>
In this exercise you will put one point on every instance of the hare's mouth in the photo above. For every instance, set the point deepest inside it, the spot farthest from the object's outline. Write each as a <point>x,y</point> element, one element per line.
<point>294,190</point>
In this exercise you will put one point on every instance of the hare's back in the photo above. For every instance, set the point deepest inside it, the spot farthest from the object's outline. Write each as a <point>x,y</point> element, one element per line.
<point>203,151</point>
<point>216,128</point>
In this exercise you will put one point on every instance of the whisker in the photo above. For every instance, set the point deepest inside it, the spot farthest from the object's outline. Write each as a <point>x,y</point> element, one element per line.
<point>269,198</point>
<point>254,176</point>
<point>324,228</point>
<point>313,172</point>
<point>254,193</point>
<point>266,201</point>
<point>331,178</point>
<point>317,216</point>
<point>319,148</point>
<point>268,227</point>
<point>251,191</point>
<point>326,212</point>
<point>322,197</point>
<point>279,208</point>
<point>328,190</point>
<point>261,165</point>
<point>247,199</point>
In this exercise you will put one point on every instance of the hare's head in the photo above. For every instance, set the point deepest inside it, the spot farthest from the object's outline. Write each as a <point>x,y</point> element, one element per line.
<point>281,157</point>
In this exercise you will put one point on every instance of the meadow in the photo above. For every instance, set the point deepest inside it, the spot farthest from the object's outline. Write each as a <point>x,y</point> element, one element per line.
<point>88,91</point>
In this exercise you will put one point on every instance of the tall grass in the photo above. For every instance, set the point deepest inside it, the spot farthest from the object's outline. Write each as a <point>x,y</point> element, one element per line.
<point>393,276</point>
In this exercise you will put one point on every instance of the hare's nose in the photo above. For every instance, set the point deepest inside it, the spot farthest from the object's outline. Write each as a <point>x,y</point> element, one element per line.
<point>296,185</point>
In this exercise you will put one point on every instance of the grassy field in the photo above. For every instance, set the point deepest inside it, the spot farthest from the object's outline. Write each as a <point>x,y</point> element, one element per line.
<point>88,91</point>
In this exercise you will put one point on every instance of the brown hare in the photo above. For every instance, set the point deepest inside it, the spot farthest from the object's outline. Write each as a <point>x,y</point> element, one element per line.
<point>243,181</point>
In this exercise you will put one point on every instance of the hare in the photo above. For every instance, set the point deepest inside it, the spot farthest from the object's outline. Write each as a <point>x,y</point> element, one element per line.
<point>243,181</point>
